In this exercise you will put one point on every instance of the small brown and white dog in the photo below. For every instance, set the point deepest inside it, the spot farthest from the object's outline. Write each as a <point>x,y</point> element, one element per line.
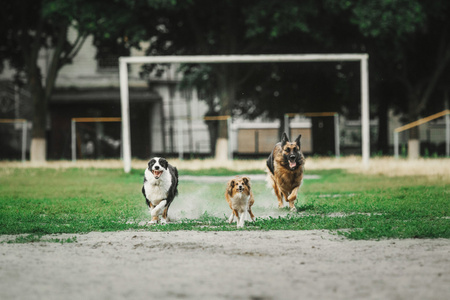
<point>240,198</point>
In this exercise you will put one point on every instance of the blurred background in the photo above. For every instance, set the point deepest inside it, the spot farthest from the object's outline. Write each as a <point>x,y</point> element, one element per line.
<point>60,95</point>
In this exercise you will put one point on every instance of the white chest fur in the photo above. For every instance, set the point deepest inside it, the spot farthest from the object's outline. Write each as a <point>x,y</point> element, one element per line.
<point>157,189</point>
<point>240,202</point>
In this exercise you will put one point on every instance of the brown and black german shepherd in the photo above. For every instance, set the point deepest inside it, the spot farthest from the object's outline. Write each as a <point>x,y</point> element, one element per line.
<point>286,164</point>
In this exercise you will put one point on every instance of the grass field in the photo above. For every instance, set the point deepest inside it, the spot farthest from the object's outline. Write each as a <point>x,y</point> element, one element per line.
<point>38,201</point>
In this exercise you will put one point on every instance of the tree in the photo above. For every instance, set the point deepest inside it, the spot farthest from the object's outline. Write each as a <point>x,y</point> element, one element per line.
<point>225,27</point>
<point>27,27</point>
<point>409,44</point>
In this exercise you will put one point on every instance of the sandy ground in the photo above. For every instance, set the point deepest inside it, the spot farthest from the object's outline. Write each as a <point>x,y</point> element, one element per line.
<point>224,265</point>
<point>379,165</point>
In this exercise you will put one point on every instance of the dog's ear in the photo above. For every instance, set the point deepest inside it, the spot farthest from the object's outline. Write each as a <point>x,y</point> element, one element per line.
<point>284,139</point>
<point>231,184</point>
<point>297,140</point>
<point>246,181</point>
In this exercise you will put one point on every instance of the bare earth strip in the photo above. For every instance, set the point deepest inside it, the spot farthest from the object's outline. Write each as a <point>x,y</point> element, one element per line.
<point>381,165</point>
<point>224,265</point>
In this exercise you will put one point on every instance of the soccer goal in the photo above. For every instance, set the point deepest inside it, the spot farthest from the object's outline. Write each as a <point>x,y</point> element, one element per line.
<point>274,58</point>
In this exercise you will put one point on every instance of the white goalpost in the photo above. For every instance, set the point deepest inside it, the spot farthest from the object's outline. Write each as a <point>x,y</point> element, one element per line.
<point>281,58</point>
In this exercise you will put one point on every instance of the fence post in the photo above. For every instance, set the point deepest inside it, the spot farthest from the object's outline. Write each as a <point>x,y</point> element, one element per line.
<point>287,127</point>
<point>24,139</point>
<point>74,145</point>
<point>337,145</point>
<point>180,139</point>
<point>447,134</point>
<point>230,139</point>
<point>396,144</point>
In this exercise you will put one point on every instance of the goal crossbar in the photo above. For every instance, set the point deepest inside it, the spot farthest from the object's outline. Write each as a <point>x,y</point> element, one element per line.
<point>279,58</point>
<point>267,58</point>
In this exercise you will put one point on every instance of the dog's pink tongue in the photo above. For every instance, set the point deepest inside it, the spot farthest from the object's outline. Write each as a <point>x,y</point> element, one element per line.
<point>292,164</point>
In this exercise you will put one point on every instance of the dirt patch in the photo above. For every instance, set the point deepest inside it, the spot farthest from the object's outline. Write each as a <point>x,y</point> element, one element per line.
<point>224,265</point>
<point>380,165</point>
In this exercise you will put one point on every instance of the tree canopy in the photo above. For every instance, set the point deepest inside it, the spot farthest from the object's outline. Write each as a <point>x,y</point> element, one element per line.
<point>30,26</point>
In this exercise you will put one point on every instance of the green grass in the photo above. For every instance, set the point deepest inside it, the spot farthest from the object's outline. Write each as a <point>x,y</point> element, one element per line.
<point>48,201</point>
<point>32,238</point>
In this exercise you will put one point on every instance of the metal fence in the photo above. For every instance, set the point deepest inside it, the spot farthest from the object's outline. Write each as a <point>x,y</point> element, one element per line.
<point>434,133</point>
<point>15,132</point>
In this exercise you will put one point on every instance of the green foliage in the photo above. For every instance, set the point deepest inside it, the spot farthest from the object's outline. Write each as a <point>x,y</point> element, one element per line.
<point>38,202</point>
<point>273,19</point>
<point>387,18</point>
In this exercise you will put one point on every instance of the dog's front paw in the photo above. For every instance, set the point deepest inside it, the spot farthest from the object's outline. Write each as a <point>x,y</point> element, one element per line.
<point>152,222</point>
<point>293,209</point>
<point>164,221</point>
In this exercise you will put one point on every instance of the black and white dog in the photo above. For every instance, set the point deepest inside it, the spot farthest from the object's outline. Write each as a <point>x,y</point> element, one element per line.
<point>160,188</point>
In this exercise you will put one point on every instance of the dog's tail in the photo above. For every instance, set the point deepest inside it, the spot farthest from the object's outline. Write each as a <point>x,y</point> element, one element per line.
<point>175,172</point>
<point>270,163</point>
<point>270,181</point>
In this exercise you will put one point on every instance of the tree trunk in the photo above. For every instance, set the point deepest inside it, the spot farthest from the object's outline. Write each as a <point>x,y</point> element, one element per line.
<point>41,92</point>
<point>221,149</point>
<point>421,92</point>
<point>38,149</point>
<point>227,93</point>
<point>383,121</point>
<point>414,143</point>
<point>413,115</point>
<point>212,127</point>
<point>281,128</point>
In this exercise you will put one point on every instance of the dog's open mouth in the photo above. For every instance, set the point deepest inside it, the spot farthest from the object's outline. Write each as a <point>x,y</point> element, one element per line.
<point>157,173</point>
<point>292,164</point>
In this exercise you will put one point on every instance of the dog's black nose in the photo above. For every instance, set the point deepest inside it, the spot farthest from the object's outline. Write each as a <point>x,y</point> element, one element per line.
<point>292,157</point>
<point>156,167</point>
